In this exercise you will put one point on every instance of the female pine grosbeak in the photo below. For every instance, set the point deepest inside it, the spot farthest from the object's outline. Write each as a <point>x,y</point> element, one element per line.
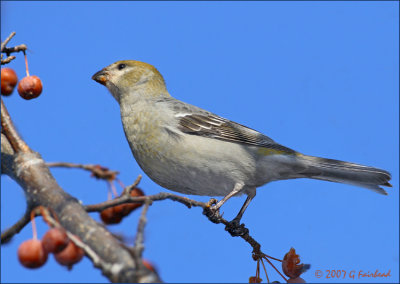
<point>190,150</point>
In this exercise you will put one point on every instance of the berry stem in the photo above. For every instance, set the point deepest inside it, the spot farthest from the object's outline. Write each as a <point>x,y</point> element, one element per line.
<point>26,65</point>
<point>265,255</point>
<point>270,263</point>
<point>120,183</point>
<point>265,270</point>
<point>33,224</point>
<point>46,214</point>
<point>258,269</point>
<point>113,188</point>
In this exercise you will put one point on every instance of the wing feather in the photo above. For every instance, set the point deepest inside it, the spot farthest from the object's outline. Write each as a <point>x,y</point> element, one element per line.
<point>212,126</point>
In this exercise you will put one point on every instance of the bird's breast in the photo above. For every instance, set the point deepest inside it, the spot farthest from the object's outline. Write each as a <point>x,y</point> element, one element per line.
<point>182,162</point>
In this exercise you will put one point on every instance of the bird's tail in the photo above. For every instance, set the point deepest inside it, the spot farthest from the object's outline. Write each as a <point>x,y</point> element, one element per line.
<point>345,172</point>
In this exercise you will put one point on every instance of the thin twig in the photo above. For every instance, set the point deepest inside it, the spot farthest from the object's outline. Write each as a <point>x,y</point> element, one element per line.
<point>139,240</point>
<point>98,171</point>
<point>128,189</point>
<point>17,48</point>
<point>7,60</point>
<point>127,198</point>
<point>7,235</point>
<point>4,43</point>
<point>141,199</point>
<point>11,133</point>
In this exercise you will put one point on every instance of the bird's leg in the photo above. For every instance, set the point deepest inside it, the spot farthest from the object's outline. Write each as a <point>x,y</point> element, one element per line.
<point>213,211</point>
<point>234,227</point>
<point>238,187</point>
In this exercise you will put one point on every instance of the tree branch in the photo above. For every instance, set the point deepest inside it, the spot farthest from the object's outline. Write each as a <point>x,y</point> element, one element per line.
<point>28,169</point>
<point>97,170</point>
<point>7,127</point>
<point>9,50</point>
<point>139,240</point>
<point>4,43</point>
<point>7,60</point>
<point>17,48</point>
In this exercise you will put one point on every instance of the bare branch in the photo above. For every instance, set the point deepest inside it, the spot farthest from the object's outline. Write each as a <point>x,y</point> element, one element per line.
<point>126,198</point>
<point>98,171</point>
<point>9,50</point>
<point>139,240</point>
<point>141,199</point>
<point>128,189</point>
<point>7,127</point>
<point>17,48</point>
<point>7,60</point>
<point>4,43</point>
<point>28,169</point>
<point>7,235</point>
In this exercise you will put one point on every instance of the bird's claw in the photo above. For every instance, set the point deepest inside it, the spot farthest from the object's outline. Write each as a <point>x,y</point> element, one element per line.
<point>212,212</point>
<point>236,229</point>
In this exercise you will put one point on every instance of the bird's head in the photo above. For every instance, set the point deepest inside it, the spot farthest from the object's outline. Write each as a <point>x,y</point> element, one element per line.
<point>131,78</point>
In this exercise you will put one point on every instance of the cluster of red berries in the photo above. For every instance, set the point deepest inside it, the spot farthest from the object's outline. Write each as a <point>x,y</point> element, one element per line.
<point>290,266</point>
<point>34,253</point>
<point>114,215</point>
<point>29,87</point>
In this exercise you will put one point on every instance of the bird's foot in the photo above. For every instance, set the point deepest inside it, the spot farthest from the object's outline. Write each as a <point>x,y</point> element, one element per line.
<point>212,212</point>
<point>236,229</point>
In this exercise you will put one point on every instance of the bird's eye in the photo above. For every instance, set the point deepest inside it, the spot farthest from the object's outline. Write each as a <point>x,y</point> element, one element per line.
<point>121,66</point>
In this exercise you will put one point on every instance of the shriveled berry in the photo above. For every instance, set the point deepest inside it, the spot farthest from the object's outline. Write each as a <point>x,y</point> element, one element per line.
<point>70,255</point>
<point>30,87</point>
<point>137,192</point>
<point>119,210</point>
<point>31,254</point>
<point>109,216</point>
<point>55,240</point>
<point>9,80</point>
<point>129,207</point>
<point>255,279</point>
<point>296,280</point>
<point>291,264</point>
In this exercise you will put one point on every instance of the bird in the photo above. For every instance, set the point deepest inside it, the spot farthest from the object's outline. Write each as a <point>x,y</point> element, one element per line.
<point>190,150</point>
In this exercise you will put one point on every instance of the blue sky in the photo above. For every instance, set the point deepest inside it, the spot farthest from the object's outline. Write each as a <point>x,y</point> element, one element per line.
<point>318,77</point>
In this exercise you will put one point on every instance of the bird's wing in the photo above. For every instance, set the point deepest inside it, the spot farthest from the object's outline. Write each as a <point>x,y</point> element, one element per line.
<point>195,121</point>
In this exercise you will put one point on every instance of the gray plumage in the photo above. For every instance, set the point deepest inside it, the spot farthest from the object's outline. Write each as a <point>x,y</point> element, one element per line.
<point>187,149</point>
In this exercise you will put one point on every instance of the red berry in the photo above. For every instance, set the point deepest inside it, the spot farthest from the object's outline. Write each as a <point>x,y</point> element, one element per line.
<point>129,207</point>
<point>30,87</point>
<point>70,255</point>
<point>31,254</point>
<point>55,240</point>
<point>109,216</point>
<point>137,192</point>
<point>9,80</point>
<point>119,210</point>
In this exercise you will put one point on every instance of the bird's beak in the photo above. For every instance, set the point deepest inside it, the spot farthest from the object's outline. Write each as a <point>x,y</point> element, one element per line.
<point>101,77</point>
